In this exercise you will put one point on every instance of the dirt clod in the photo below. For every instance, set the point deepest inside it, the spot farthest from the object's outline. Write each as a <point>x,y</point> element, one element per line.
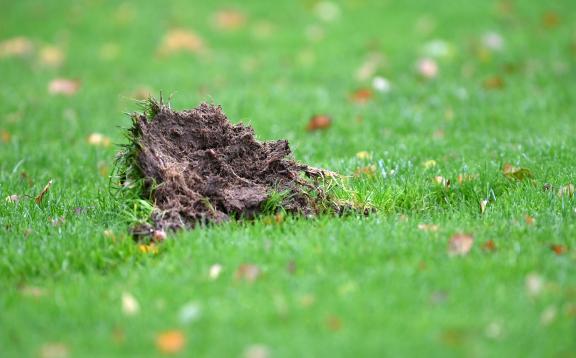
<point>198,167</point>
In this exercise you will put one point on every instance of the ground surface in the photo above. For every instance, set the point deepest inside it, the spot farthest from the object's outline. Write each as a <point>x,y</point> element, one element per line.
<point>71,282</point>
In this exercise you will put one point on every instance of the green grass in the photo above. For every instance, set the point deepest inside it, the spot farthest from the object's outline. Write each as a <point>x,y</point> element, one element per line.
<point>330,286</point>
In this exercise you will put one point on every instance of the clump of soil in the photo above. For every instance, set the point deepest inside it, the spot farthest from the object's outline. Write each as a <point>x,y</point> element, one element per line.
<point>197,167</point>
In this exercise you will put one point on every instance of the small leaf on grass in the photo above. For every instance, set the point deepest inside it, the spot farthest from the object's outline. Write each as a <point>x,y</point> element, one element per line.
<point>54,350</point>
<point>483,205</point>
<point>548,315</point>
<point>98,139</point>
<point>215,271</point>
<point>530,220</point>
<point>334,323</point>
<point>189,312</point>
<point>63,86</point>
<point>170,342</point>
<point>517,173</point>
<point>431,163</point>
<point>489,245</point>
<point>5,136</point>
<point>16,47</point>
<point>51,56</point>
<point>427,68</point>
<point>534,284</point>
<point>248,273</point>
<point>362,96</point>
<point>12,198</point>
<point>318,122</point>
<point>494,83</point>
<point>229,19</point>
<point>550,19</point>
<point>32,291</point>
<point>460,244</point>
<point>148,249</point>
<point>558,249</point>
<point>369,170</point>
<point>363,155</point>
<point>180,40</point>
<point>257,351</point>
<point>130,306</point>
<point>38,199</point>
<point>440,180</point>
<point>428,227</point>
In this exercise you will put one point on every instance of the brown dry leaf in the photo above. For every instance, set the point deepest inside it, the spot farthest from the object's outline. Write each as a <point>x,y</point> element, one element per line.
<point>54,350</point>
<point>530,220</point>
<point>257,351</point>
<point>493,83</point>
<point>180,40</point>
<point>229,19</point>
<point>558,249</point>
<point>334,323</point>
<point>170,342</point>
<point>16,47</point>
<point>98,139</point>
<point>248,273</point>
<point>38,199</point>
<point>428,227</point>
<point>5,136</point>
<point>517,173</point>
<point>462,178</point>
<point>362,96</point>
<point>460,244</point>
<point>369,170</point>
<point>63,86</point>
<point>51,56</point>
<point>489,245</point>
<point>318,122</point>
<point>550,19</point>
<point>483,205</point>
<point>566,190</point>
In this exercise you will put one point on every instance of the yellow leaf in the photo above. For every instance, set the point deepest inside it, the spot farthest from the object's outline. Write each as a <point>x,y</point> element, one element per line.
<point>38,199</point>
<point>363,155</point>
<point>148,249</point>
<point>431,163</point>
<point>170,342</point>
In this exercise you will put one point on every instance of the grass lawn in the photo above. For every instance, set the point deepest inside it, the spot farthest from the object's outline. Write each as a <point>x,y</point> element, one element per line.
<point>496,86</point>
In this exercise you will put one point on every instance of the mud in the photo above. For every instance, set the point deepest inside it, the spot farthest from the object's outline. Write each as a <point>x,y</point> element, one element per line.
<point>198,167</point>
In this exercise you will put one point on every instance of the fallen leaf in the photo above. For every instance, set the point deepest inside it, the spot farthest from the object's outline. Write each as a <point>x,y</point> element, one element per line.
<point>54,350</point>
<point>318,122</point>
<point>566,190</point>
<point>362,95</point>
<point>493,330</point>
<point>5,136</point>
<point>190,312</point>
<point>16,47</point>
<point>483,205</point>
<point>558,249</point>
<point>148,249</point>
<point>517,173</point>
<point>440,180</point>
<point>428,227</point>
<point>215,271</point>
<point>550,19</point>
<point>63,86</point>
<point>38,199</point>
<point>159,235</point>
<point>334,323</point>
<point>109,234</point>
<point>180,40</point>
<point>548,315</point>
<point>58,221</point>
<point>369,67</point>
<point>493,41</point>
<point>229,19</point>
<point>381,84</point>
<point>534,284</point>
<point>363,155</point>
<point>431,163</point>
<point>98,139</point>
<point>32,291</point>
<point>460,244</point>
<point>307,300</point>
<point>257,351</point>
<point>493,83</point>
<point>427,68</point>
<point>489,245</point>
<point>51,56</point>
<point>327,11</point>
<point>12,198</point>
<point>248,273</point>
<point>130,306</point>
<point>530,220</point>
<point>369,170</point>
<point>170,342</point>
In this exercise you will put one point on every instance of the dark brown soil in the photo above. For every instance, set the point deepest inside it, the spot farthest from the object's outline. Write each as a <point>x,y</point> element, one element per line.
<point>200,168</point>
